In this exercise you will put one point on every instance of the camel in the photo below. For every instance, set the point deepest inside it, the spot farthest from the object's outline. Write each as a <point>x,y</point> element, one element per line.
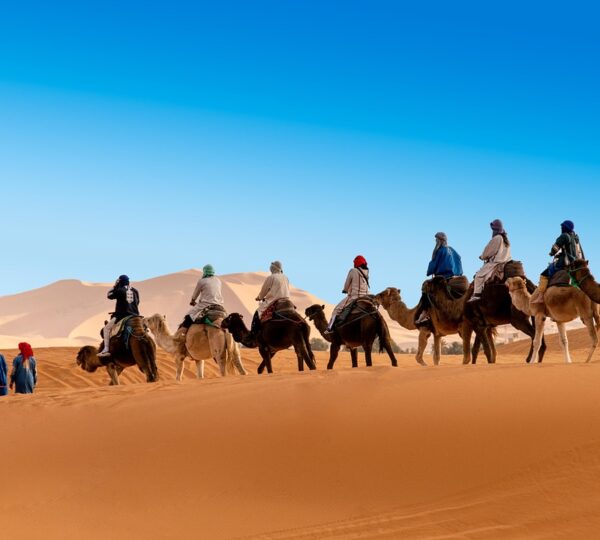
<point>357,330</point>
<point>562,305</point>
<point>580,274</point>
<point>202,343</point>
<point>133,347</point>
<point>274,335</point>
<point>391,301</point>
<point>494,309</point>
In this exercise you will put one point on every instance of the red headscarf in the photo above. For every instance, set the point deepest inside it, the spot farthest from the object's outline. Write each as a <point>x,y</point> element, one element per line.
<point>26,350</point>
<point>359,260</point>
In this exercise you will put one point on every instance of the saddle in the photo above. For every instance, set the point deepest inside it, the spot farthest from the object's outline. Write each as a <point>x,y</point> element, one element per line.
<point>120,326</point>
<point>363,305</point>
<point>510,269</point>
<point>560,278</point>
<point>282,305</point>
<point>457,286</point>
<point>210,314</point>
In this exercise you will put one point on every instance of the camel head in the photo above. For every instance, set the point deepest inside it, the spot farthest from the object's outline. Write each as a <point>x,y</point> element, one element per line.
<point>155,322</point>
<point>390,296</point>
<point>233,322</point>
<point>314,311</point>
<point>515,284</point>
<point>87,358</point>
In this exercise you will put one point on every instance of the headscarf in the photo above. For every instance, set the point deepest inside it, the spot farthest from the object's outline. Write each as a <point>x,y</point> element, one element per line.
<point>26,353</point>
<point>208,270</point>
<point>498,229</point>
<point>276,267</point>
<point>441,240</point>
<point>360,262</point>
<point>567,226</point>
<point>123,279</point>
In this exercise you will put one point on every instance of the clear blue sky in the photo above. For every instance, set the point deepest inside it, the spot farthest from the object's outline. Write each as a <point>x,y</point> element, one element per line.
<point>151,137</point>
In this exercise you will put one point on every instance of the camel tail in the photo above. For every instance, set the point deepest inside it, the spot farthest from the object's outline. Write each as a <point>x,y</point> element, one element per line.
<point>231,347</point>
<point>151,353</point>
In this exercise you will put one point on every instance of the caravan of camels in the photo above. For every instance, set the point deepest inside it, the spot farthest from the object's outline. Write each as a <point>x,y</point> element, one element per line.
<point>499,294</point>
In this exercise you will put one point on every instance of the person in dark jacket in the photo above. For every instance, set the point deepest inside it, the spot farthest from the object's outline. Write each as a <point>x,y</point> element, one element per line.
<point>565,251</point>
<point>128,300</point>
<point>3,377</point>
<point>23,376</point>
<point>445,262</point>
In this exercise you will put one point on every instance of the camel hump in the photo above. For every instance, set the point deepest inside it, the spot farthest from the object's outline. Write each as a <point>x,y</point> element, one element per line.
<point>560,278</point>
<point>457,286</point>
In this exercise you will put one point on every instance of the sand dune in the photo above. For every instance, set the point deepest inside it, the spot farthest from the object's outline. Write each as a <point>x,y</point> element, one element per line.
<point>503,451</point>
<point>71,312</point>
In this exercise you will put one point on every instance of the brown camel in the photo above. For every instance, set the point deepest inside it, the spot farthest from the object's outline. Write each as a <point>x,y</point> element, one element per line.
<point>495,308</point>
<point>133,347</point>
<point>580,273</point>
<point>390,300</point>
<point>276,334</point>
<point>440,324</point>
<point>562,305</point>
<point>360,328</point>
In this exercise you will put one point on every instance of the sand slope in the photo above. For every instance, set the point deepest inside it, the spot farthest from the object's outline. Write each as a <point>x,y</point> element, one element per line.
<point>503,451</point>
<point>71,312</point>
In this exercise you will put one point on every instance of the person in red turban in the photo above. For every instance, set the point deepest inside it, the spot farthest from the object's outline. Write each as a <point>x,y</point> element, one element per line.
<point>24,371</point>
<point>356,285</point>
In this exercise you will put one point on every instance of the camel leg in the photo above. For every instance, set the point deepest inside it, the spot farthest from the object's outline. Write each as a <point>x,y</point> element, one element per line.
<point>354,357</point>
<point>179,367</point>
<point>368,347</point>
<point>113,374</point>
<point>476,347</point>
<point>589,323</point>
<point>299,357</point>
<point>306,355</point>
<point>200,369</point>
<point>540,322</point>
<point>466,337</point>
<point>266,356</point>
<point>523,323</point>
<point>564,341</point>
<point>388,349</point>
<point>484,337</point>
<point>234,351</point>
<point>334,350</point>
<point>437,349</point>
<point>423,337</point>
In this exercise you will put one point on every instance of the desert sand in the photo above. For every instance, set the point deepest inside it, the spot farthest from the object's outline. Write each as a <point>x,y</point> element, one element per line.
<point>503,451</point>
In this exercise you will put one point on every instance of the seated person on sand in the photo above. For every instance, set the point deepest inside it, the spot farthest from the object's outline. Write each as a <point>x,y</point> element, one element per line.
<point>356,285</point>
<point>495,254</point>
<point>565,251</point>
<point>128,300</point>
<point>206,295</point>
<point>23,376</point>
<point>445,262</point>
<point>276,287</point>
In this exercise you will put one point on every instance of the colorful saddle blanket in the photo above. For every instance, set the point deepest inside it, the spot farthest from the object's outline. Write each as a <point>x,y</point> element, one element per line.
<point>211,314</point>
<point>282,305</point>
<point>120,326</point>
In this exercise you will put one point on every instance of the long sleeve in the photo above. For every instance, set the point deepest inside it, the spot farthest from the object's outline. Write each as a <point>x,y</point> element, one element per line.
<point>3,374</point>
<point>491,250</point>
<point>432,269</point>
<point>348,283</point>
<point>266,288</point>
<point>197,290</point>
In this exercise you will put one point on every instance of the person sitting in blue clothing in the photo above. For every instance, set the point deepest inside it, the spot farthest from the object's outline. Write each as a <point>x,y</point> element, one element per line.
<point>3,377</point>
<point>445,262</point>
<point>24,373</point>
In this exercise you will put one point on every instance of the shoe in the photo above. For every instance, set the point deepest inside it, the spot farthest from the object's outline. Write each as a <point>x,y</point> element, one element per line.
<point>474,298</point>
<point>104,354</point>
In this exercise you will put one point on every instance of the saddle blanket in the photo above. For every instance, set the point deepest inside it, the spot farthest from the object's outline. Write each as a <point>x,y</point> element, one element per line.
<point>281,305</point>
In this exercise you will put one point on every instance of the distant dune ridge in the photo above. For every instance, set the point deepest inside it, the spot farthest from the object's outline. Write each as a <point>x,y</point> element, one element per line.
<point>72,312</point>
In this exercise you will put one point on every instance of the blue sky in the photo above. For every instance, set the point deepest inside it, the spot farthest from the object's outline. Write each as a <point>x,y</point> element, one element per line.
<point>146,137</point>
